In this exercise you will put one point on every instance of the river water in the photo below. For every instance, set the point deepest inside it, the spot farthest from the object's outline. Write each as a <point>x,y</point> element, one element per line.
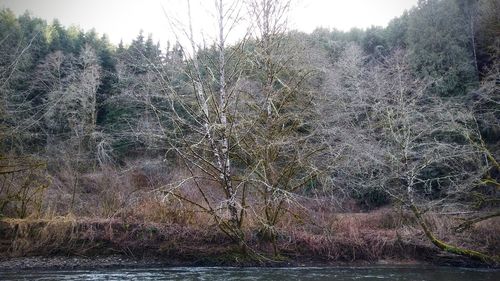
<point>400,273</point>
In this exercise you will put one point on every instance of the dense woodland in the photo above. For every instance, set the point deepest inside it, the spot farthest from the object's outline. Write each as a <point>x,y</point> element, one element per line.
<point>250,136</point>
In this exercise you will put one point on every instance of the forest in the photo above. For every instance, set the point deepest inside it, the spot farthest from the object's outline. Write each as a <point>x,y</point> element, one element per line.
<point>368,144</point>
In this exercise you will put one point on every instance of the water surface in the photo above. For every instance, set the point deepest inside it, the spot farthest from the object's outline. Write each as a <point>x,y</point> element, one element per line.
<point>402,273</point>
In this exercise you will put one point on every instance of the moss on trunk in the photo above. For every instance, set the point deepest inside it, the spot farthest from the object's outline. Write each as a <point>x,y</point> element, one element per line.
<point>475,255</point>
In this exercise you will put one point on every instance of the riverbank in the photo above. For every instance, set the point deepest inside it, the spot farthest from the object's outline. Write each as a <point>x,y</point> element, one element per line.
<point>354,239</point>
<point>119,261</point>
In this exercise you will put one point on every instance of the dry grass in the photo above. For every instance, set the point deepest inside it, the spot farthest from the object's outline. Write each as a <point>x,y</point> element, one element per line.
<point>123,211</point>
<point>482,236</point>
<point>345,237</point>
<point>348,236</point>
<point>66,235</point>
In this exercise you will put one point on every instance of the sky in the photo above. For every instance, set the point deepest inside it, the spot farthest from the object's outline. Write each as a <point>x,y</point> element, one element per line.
<point>123,19</point>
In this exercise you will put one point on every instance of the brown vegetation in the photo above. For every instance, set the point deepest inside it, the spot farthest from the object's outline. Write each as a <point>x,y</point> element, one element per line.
<point>178,233</point>
<point>124,212</point>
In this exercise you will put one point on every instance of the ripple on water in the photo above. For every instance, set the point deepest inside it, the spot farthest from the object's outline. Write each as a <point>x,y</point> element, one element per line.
<point>400,273</point>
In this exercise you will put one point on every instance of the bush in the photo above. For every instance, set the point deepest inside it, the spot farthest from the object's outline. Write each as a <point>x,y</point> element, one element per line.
<point>23,182</point>
<point>373,198</point>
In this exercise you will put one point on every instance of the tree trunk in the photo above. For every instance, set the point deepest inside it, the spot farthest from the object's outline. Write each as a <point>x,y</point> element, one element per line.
<point>475,255</point>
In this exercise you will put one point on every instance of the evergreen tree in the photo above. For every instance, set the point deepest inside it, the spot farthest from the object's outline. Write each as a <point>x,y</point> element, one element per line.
<point>439,46</point>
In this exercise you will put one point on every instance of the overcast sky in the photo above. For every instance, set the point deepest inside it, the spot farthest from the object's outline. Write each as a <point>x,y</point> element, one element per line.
<point>122,19</point>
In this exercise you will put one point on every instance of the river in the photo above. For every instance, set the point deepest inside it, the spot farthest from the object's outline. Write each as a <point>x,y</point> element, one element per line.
<point>400,273</point>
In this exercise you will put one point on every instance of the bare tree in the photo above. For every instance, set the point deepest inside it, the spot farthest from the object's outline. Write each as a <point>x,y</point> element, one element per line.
<point>282,134</point>
<point>350,97</point>
<point>195,115</point>
<point>239,119</point>
<point>419,150</point>
<point>71,110</point>
<point>485,101</point>
<point>22,175</point>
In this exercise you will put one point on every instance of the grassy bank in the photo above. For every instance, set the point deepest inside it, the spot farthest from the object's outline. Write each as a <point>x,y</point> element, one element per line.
<point>344,238</point>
